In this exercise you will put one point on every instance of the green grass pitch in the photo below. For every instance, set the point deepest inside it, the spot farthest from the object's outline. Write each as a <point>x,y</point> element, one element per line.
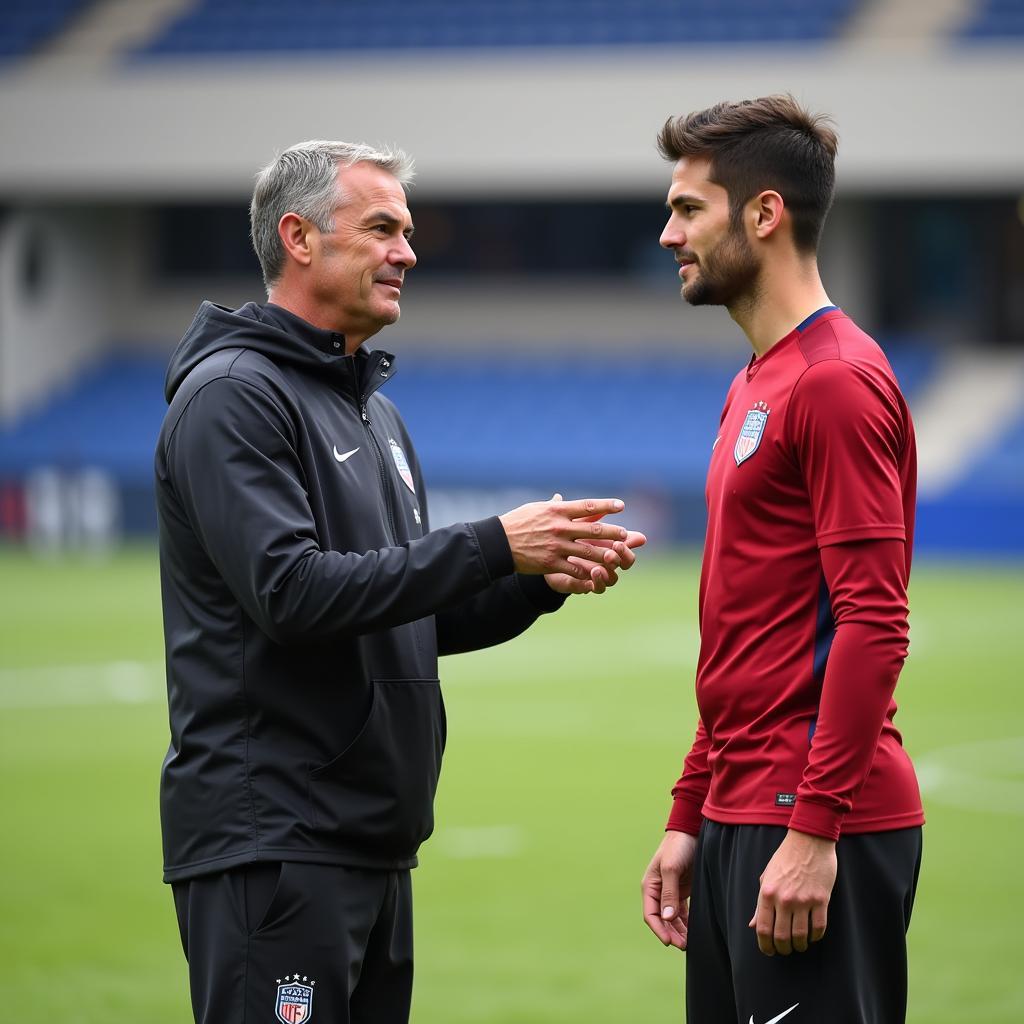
<point>562,748</point>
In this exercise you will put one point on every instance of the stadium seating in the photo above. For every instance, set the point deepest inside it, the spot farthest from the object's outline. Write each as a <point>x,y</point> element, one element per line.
<point>240,26</point>
<point>999,469</point>
<point>28,23</point>
<point>493,421</point>
<point>996,20</point>
<point>481,420</point>
<point>107,417</point>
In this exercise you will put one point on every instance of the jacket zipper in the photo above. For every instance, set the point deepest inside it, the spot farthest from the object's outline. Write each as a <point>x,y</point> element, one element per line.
<point>381,467</point>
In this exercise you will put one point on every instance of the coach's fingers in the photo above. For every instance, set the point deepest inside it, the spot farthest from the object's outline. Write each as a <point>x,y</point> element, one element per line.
<point>563,583</point>
<point>591,509</point>
<point>592,554</point>
<point>819,922</point>
<point>584,531</point>
<point>602,576</point>
<point>626,557</point>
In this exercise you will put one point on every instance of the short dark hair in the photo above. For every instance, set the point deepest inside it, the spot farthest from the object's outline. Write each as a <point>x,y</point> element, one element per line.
<point>767,143</point>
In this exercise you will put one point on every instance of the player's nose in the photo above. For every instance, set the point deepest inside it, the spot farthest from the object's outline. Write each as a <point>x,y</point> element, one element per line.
<point>672,237</point>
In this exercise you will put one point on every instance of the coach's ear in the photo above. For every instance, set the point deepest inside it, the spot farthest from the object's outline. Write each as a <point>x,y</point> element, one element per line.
<point>294,232</point>
<point>765,213</point>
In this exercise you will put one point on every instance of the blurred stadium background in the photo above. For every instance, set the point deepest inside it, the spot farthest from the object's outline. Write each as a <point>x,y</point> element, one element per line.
<point>543,346</point>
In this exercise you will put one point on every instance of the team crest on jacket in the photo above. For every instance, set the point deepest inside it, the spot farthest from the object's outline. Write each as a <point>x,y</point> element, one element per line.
<point>294,1000</point>
<point>402,463</point>
<point>751,432</point>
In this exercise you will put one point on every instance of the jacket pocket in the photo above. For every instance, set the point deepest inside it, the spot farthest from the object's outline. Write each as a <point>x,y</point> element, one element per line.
<point>376,797</point>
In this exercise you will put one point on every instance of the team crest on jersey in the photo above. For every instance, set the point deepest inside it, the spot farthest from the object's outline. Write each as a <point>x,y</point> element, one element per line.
<point>402,463</point>
<point>294,999</point>
<point>751,432</point>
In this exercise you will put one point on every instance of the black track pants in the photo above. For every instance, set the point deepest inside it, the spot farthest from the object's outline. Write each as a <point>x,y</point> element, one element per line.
<point>295,942</point>
<point>856,974</point>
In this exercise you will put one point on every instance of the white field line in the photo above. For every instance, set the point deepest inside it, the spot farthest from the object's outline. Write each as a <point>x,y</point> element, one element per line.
<point>114,682</point>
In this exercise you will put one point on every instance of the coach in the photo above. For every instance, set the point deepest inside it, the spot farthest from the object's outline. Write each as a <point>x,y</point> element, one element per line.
<point>306,601</point>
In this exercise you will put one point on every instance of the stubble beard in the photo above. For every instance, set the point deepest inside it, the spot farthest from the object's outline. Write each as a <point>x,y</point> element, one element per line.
<point>728,275</point>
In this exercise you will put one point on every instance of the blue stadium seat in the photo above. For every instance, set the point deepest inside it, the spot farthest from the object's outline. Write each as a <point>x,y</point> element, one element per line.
<point>479,419</point>
<point>996,20</point>
<point>999,469</point>
<point>245,26</point>
<point>26,24</point>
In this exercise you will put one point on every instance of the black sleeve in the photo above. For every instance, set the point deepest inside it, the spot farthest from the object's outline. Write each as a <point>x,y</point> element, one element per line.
<point>505,609</point>
<point>233,465</point>
<point>508,607</point>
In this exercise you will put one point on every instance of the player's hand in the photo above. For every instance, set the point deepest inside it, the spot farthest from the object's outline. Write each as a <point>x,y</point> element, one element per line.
<point>545,536</point>
<point>666,888</point>
<point>792,906</point>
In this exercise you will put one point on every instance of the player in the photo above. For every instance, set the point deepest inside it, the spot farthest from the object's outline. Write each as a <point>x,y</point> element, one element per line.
<point>790,861</point>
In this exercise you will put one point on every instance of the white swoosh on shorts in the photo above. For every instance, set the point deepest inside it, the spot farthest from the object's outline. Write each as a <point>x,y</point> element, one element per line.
<point>775,1020</point>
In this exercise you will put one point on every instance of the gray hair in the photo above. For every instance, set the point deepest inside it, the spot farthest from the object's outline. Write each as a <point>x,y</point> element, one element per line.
<point>303,180</point>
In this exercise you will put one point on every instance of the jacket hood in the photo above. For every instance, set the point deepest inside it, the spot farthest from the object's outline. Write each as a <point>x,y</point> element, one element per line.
<point>268,329</point>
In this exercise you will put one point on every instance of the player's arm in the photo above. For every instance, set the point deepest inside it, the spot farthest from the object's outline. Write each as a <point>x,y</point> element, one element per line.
<point>867,584</point>
<point>665,887</point>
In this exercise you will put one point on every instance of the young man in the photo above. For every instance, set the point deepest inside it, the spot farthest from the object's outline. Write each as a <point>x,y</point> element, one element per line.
<point>796,824</point>
<point>306,601</point>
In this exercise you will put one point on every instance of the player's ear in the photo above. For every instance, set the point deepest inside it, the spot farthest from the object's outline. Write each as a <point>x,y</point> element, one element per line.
<point>294,232</point>
<point>766,212</point>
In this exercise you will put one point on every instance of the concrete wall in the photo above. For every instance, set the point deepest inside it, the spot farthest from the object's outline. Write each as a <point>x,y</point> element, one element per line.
<point>578,122</point>
<point>54,299</point>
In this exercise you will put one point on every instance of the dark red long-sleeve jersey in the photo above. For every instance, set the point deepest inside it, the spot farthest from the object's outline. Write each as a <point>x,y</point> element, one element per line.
<point>803,608</point>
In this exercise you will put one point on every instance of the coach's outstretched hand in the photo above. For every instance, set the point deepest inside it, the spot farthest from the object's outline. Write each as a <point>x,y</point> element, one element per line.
<point>666,888</point>
<point>566,542</point>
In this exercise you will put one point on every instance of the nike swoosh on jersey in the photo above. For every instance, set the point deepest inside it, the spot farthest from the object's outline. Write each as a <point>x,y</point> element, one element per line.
<point>775,1020</point>
<point>341,457</point>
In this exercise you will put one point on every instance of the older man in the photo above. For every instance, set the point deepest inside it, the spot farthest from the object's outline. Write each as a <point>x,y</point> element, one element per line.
<point>306,601</point>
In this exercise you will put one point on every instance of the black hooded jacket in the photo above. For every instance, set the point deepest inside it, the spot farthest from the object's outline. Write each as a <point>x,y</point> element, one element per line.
<point>305,602</point>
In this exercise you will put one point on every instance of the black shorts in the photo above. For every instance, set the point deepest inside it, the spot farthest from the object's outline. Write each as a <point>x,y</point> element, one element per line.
<point>856,974</point>
<point>292,942</point>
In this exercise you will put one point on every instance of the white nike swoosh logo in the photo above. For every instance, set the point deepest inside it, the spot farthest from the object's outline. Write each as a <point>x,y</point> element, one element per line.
<point>775,1020</point>
<point>348,455</point>
<point>713,447</point>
